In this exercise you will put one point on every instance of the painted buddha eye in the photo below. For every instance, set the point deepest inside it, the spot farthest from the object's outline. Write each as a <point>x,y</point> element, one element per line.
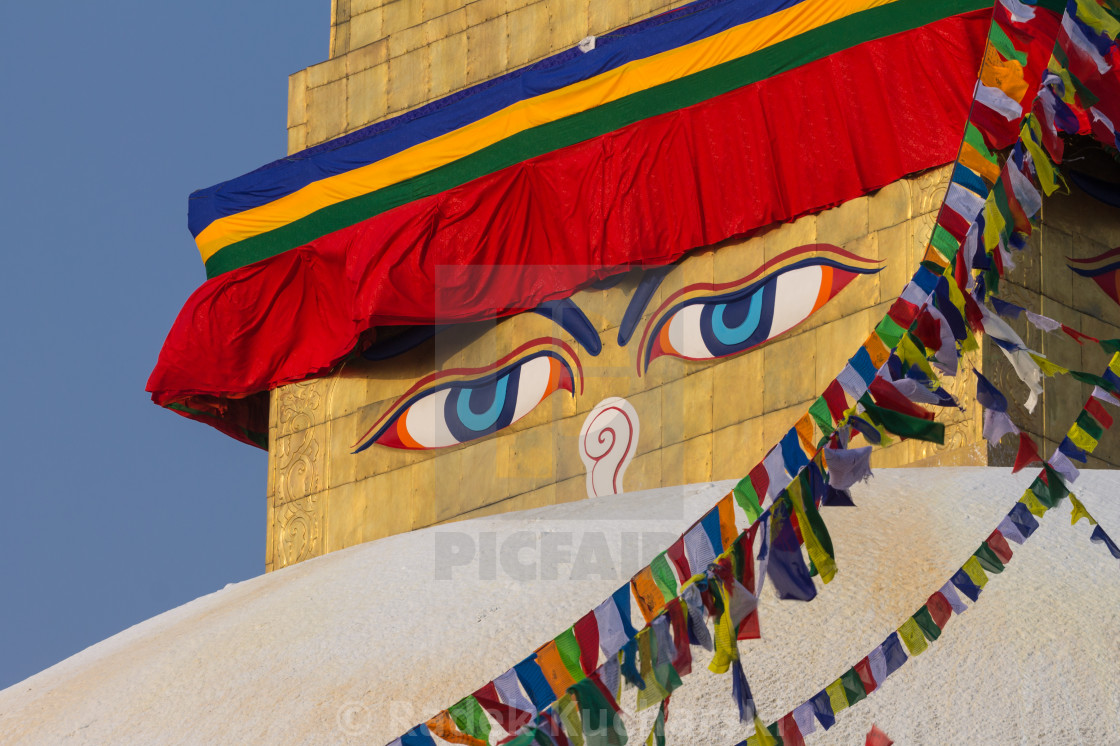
<point>458,406</point>
<point>695,325</point>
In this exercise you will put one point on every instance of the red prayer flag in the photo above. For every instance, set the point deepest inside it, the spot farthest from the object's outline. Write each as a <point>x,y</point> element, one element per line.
<point>678,557</point>
<point>510,718</point>
<point>587,635</point>
<point>877,738</point>
<point>1078,336</point>
<point>789,732</point>
<point>902,312</point>
<point>760,480</point>
<point>1098,413</point>
<point>863,668</point>
<point>888,397</point>
<point>1027,455</point>
<point>682,662</point>
<point>836,401</point>
<point>998,544</point>
<point>928,331</point>
<point>939,609</point>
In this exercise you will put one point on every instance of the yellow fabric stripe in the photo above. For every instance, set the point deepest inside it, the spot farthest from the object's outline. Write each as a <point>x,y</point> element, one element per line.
<point>627,79</point>
<point>971,158</point>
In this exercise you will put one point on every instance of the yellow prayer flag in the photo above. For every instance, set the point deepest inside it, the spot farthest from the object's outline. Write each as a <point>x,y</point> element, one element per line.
<point>1099,19</point>
<point>727,650</point>
<point>1006,75</point>
<point>1114,363</point>
<point>806,433</point>
<point>836,696</point>
<point>912,636</point>
<point>570,717</point>
<point>974,571</point>
<point>1033,505</point>
<point>826,566</point>
<point>1050,369</point>
<point>762,735</point>
<point>1081,439</point>
<point>994,223</point>
<point>933,256</point>
<point>1048,178</point>
<point>1079,512</point>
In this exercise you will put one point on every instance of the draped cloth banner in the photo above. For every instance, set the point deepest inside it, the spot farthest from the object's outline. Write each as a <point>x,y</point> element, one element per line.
<point>777,131</point>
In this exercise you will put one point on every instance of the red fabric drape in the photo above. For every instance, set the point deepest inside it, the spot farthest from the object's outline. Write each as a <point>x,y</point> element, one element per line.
<point>793,144</point>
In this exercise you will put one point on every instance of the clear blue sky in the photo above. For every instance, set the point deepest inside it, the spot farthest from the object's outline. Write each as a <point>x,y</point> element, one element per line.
<point>111,509</point>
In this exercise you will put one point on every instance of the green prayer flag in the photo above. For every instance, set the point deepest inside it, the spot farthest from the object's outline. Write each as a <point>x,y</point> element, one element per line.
<point>748,499</point>
<point>820,414</point>
<point>988,559</point>
<point>657,733</point>
<point>1002,42</point>
<point>1094,380</point>
<point>469,716</point>
<point>601,724</point>
<point>944,242</point>
<point>1090,425</point>
<point>905,426</point>
<point>568,647</point>
<point>853,686</point>
<point>664,577</point>
<point>1050,492</point>
<point>889,331</point>
<point>926,624</point>
<point>1110,345</point>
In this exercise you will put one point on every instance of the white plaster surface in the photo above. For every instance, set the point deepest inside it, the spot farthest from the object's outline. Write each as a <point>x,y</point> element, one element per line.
<point>356,646</point>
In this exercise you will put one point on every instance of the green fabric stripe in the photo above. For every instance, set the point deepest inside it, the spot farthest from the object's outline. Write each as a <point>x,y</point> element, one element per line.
<point>889,331</point>
<point>975,138</point>
<point>816,523</point>
<point>853,686</point>
<point>469,716</point>
<point>817,44</point>
<point>905,426</point>
<point>664,577</point>
<point>944,242</point>
<point>1001,41</point>
<point>928,626</point>
<point>999,193</point>
<point>568,647</point>
<point>1089,425</point>
<point>1051,493</point>
<point>820,414</point>
<point>1092,378</point>
<point>748,499</point>
<point>988,559</point>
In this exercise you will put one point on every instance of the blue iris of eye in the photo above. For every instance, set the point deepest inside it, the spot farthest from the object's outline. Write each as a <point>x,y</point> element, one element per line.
<point>488,399</point>
<point>730,325</point>
<point>482,408</point>
<point>734,323</point>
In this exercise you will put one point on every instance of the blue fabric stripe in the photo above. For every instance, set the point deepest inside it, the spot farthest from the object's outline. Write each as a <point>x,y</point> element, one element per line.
<point>926,279</point>
<point>893,653</point>
<point>822,708</point>
<point>667,31</point>
<point>862,364</point>
<point>965,585</point>
<point>792,454</point>
<point>710,522</point>
<point>536,686</point>
<point>970,180</point>
<point>621,599</point>
<point>1021,516</point>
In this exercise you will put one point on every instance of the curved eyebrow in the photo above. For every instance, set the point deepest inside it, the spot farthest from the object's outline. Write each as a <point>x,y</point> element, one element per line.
<point>564,312</point>
<point>574,321</point>
<point>647,286</point>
